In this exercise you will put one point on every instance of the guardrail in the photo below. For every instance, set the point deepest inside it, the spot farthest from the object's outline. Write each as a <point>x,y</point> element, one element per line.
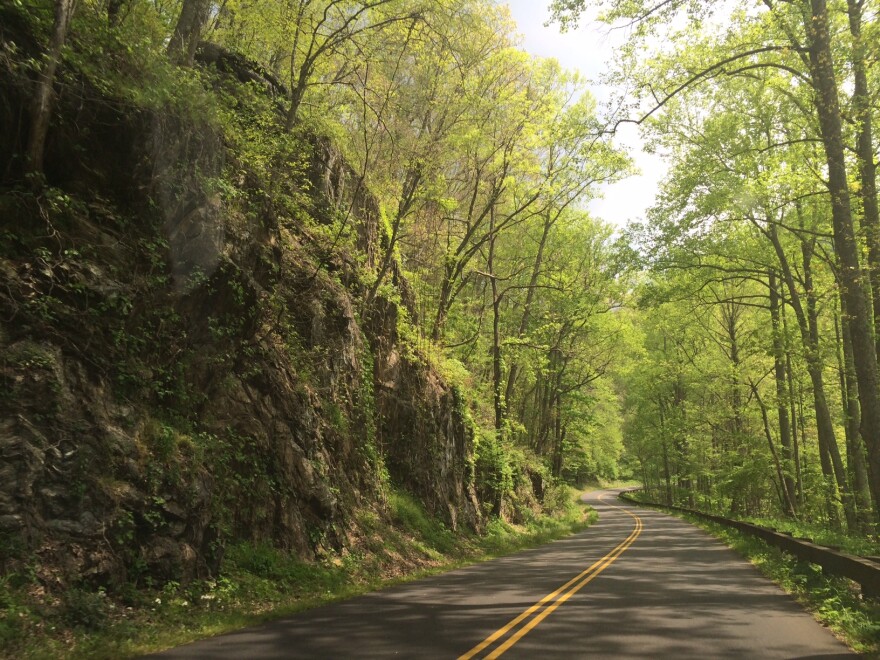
<point>859,569</point>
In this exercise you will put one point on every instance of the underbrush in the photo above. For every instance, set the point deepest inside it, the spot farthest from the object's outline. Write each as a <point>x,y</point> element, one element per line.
<point>258,582</point>
<point>855,545</point>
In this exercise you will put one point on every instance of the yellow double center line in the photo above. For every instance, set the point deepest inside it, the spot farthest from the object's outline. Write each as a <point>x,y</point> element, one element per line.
<point>542,609</point>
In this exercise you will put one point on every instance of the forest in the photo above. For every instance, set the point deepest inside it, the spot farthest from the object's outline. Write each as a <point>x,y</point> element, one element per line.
<point>269,264</point>
<point>757,380</point>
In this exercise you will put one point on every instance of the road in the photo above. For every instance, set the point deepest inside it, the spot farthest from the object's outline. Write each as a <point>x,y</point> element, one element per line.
<point>638,584</point>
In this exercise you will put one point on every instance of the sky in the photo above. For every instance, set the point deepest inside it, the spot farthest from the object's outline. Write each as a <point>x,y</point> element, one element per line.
<point>589,49</point>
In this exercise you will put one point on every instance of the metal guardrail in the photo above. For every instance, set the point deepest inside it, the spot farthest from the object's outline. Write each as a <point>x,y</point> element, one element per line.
<point>863,570</point>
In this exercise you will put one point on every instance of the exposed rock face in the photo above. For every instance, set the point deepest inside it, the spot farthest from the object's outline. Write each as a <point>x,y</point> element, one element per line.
<point>433,470</point>
<point>177,370</point>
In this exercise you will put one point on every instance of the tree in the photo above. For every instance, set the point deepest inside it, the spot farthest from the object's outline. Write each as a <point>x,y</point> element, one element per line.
<point>41,113</point>
<point>188,30</point>
<point>795,38</point>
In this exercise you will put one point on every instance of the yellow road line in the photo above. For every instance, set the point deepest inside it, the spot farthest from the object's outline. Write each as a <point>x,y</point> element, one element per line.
<point>555,599</point>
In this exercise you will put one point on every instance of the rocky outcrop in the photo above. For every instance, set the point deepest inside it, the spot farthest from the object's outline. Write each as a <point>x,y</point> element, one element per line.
<point>180,368</point>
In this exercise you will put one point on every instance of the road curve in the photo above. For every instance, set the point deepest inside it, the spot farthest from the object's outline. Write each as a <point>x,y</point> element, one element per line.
<point>638,584</point>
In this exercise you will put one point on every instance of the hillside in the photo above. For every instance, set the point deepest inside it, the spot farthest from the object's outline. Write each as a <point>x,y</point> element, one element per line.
<point>184,368</point>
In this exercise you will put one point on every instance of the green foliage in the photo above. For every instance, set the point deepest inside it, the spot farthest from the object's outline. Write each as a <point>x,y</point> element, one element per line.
<point>519,129</point>
<point>821,534</point>
<point>458,170</point>
<point>411,515</point>
<point>503,537</point>
<point>364,406</point>
<point>283,571</point>
<point>244,473</point>
<point>162,440</point>
<point>83,609</point>
<point>493,468</point>
<point>559,500</point>
<point>15,615</point>
<point>728,408</point>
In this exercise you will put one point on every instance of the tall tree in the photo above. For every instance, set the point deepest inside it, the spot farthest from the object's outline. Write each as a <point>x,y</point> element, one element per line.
<point>190,23</point>
<point>44,96</point>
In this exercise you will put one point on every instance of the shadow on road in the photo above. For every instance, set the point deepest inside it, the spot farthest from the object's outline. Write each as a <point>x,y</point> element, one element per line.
<point>675,593</point>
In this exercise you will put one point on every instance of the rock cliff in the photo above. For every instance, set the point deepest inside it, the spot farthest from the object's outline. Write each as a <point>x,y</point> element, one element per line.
<point>186,360</point>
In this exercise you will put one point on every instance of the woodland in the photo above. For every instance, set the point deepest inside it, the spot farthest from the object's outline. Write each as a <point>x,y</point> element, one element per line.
<point>269,269</point>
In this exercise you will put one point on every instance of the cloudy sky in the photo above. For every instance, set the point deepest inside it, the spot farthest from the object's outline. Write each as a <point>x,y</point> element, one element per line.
<point>589,49</point>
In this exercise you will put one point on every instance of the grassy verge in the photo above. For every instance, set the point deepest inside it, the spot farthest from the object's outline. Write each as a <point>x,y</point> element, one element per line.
<point>863,546</point>
<point>834,601</point>
<point>257,583</point>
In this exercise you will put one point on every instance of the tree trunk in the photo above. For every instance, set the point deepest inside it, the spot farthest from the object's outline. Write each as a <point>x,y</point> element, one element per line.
<point>558,436</point>
<point>667,474</point>
<point>527,307</point>
<point>829,452</point>
<point>855,455</point>
<point>792,400</point>
<point>845,246</point>
<point>45,94</point>
<point>498,399</point>
<point>809,328</point>
<point>784,495</point>
<point>297,92</point>
<point>407,199</point>
<point>443,303</point>
<point>779,371</point>
<point>861,107</point>
<point>185,40</point>
<point>114,12</point>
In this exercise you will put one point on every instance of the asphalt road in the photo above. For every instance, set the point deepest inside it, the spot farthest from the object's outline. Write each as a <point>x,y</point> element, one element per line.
<point>638,584</point>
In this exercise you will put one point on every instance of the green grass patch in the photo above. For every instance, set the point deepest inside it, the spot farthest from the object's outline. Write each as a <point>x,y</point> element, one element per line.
<point>259,583</point>
<point>855,545</point>
<point>409,514</point>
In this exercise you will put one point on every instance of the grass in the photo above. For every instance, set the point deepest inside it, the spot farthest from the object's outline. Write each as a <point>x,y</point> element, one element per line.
<point>258,583</point>
<point>854,545</point>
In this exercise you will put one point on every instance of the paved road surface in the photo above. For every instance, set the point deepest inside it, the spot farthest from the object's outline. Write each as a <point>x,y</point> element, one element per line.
<point>638,584</point>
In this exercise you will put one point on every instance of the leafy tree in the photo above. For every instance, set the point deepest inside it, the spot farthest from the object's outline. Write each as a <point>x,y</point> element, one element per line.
<point>44,96</point>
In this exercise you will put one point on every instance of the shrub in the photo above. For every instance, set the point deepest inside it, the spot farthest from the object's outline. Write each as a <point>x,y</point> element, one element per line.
<point>83,609</point>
